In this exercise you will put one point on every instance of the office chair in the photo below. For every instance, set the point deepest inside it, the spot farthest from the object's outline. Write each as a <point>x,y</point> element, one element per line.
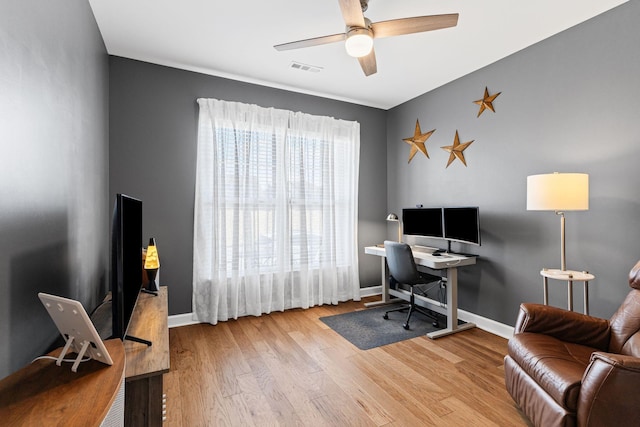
<point>403,270</point>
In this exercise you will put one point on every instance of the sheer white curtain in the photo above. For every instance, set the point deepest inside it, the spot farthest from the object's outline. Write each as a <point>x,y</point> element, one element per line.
<point>275,211</point>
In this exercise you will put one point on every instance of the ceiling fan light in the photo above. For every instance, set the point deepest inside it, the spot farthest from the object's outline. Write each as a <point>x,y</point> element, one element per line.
<point>359,42</point>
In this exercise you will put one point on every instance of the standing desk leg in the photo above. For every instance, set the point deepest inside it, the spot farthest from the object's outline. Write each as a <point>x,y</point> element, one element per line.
<point>384,268</point>
<point>452,308</point>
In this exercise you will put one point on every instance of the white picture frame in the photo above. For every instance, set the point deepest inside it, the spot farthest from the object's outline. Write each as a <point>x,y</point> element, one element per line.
<point>76,328</point>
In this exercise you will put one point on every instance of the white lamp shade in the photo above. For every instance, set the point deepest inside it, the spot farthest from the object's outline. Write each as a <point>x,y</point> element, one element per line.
<point>359,42</point>
<point>558,192</point>
<point>393,217</point>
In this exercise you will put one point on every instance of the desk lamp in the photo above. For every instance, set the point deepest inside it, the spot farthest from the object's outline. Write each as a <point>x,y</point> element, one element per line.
<point>392,217</point>
<point>558,192</point>
<point>151,265</point>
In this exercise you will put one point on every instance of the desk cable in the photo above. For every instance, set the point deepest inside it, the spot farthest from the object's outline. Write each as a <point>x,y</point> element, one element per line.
<point>79,359</point>
<point>442,294</point>
<point>86,359</point>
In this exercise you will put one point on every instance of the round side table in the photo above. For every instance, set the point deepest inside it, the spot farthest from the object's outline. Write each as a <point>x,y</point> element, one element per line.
<point>570,276</point>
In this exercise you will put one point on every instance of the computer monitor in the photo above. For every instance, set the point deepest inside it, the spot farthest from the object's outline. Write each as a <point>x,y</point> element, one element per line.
<point>423,222</point>
<point>462,224</point>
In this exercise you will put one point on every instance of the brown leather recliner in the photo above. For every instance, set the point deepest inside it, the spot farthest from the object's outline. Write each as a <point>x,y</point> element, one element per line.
<point>569,369</point>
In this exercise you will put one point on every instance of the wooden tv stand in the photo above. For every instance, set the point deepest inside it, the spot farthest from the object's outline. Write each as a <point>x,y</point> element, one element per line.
<point>145,365</point>
<point>44,394</point>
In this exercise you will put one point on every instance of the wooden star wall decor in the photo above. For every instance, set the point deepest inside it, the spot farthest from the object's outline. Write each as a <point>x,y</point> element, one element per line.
<point>456,150</point>
<point>486,101</point>
<point>417,141</point>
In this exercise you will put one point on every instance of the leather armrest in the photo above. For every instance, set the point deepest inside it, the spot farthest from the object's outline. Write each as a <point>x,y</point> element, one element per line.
<point>609,395</point>
<point>621,361</point>
<point>564,325</point>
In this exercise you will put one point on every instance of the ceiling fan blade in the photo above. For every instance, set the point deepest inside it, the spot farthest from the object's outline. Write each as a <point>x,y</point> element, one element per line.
<point>368,63</point>
<point>417,24</point>
<point>352,13</point>
<point>317,41</point>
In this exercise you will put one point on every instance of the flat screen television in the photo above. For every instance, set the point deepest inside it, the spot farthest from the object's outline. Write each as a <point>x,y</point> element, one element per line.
<point>462,224</point>
<point>425,222</point>
<point>126,262</point>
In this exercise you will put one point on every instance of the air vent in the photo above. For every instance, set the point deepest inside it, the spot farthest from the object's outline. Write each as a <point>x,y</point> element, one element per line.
<point>305,67</point>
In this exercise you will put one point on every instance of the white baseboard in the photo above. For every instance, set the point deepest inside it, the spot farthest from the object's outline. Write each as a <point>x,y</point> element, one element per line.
<point>489,325</point>
<point>370,291</point>
<point>182,320</point>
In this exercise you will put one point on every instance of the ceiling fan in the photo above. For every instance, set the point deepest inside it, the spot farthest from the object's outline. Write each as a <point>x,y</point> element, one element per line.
<point>360,32</point>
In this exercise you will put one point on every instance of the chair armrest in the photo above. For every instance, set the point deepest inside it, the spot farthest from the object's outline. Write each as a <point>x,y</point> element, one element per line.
<point>564,325</point>
<point>609,391</point>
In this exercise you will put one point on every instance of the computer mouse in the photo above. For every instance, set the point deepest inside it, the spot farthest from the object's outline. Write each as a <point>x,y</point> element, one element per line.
<point>436,254</point>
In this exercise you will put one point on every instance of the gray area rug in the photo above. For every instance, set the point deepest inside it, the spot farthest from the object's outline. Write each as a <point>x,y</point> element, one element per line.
<point>367,329</point>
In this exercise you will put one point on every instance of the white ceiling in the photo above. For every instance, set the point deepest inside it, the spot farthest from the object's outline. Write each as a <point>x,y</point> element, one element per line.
<point>235,39</point>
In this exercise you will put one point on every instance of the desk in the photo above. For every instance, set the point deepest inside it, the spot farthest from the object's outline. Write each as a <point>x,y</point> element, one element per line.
<point>449,262</point>
<point>570,276</point>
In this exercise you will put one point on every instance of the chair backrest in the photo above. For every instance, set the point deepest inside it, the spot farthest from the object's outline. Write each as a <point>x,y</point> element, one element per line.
<point>625,323</point>
<point>402,266</point>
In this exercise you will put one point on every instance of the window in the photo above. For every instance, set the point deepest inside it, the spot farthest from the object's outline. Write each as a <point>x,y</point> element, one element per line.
<point>276,197</point>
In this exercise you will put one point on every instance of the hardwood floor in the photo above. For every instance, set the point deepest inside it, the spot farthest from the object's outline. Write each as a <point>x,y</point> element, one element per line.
<point>290,369</point>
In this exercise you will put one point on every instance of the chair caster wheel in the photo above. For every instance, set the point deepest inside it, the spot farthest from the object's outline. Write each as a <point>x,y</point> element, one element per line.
<point>386,316</point>
<point>406,326</point>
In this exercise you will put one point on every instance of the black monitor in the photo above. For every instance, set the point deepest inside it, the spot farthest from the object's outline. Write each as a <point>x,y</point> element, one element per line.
<point>424,222</point>
<point>462,225</point>
<point>126,262</point>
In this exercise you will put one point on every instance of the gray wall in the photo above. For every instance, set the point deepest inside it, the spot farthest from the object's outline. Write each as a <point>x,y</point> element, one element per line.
<point>153,128</point>
<point>53,168</point>
<point>570,103</point>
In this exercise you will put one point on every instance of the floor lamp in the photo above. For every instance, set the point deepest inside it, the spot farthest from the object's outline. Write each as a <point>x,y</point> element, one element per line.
<point>394,218</point>
<point>558,192</point>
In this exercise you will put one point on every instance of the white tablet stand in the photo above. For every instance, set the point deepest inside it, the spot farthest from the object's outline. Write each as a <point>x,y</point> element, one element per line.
<point>76,329</point>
